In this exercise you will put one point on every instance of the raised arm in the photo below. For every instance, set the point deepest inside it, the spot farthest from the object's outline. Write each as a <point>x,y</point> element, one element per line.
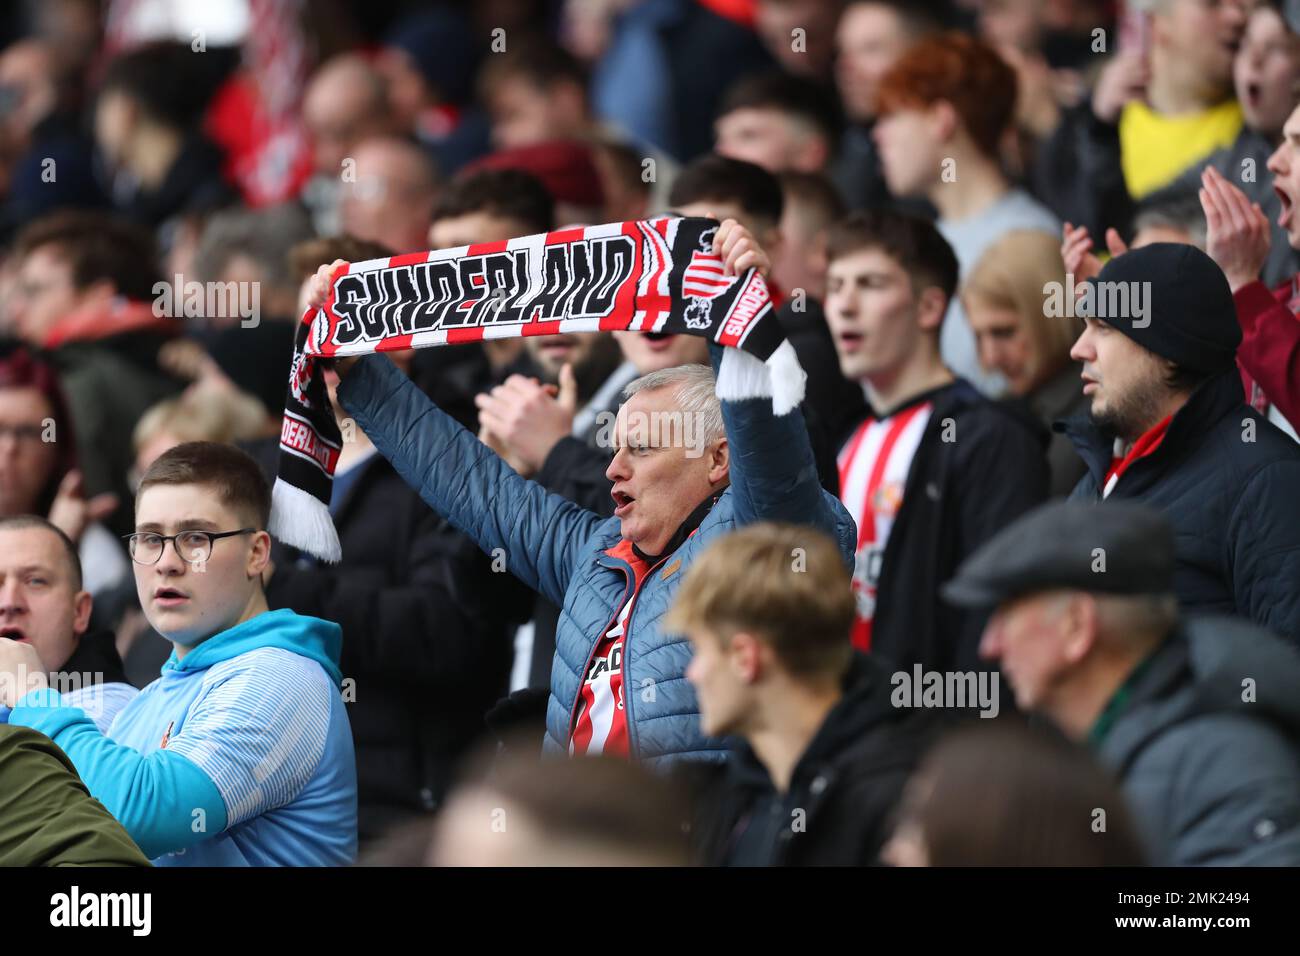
<point>465,481</point>
<point>773,470</point>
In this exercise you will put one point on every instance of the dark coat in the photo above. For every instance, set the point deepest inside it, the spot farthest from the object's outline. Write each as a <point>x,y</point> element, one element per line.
<point>1077,173</point>
<point>427,657</point>
<point>1226,479</point>
<point>959,493</point>
<point>1207,747</point>
<point>843,791</point>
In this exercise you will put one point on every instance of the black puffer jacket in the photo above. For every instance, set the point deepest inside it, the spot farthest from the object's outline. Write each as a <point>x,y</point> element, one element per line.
<point>427,657</point>
<point>1207,747</point>
<point>967,482</point>
<point>839,806</point>
<point>1227,480</point>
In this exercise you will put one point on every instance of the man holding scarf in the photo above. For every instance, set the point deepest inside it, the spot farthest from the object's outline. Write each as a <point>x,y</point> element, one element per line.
<point>618,682</point>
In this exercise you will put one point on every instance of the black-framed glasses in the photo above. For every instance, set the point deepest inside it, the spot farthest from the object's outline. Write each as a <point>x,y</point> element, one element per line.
<point>147,547</point>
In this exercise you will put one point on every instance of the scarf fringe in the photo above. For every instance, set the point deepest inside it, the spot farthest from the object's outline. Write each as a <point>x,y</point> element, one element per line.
<point>301,521</point>
<point>781,378</point>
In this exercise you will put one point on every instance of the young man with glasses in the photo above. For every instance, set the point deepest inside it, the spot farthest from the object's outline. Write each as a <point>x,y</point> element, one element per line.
<point>241,752</point>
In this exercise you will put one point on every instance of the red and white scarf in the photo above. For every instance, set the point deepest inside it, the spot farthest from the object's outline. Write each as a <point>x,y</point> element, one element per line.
<point>659,275</point>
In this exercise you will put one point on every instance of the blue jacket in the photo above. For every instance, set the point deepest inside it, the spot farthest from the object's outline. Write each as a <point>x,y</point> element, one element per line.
<point>562,550</point>
<point>240,754</point>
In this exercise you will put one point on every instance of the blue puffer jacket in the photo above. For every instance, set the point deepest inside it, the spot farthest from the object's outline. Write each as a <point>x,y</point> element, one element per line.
<point>561,550</point>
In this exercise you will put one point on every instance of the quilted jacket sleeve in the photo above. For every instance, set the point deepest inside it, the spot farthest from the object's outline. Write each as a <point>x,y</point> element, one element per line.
<point>538,535</point>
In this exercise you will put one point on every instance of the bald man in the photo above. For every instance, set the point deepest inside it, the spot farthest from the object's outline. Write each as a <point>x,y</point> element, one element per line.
<point>392,197</point>
<point>346,103</point>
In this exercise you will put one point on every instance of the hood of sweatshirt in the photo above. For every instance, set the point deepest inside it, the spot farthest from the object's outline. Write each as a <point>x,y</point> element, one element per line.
<point>310,637</point>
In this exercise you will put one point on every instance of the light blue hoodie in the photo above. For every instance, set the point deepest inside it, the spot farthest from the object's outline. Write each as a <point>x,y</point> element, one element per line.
<point>238,755</point>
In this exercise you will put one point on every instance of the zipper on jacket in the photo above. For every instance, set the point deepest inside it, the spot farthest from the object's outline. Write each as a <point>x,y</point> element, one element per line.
<point>629,582</point>
<point>627,653</point>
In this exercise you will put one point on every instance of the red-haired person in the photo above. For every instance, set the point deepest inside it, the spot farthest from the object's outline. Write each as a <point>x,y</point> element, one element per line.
<point>943,111</point>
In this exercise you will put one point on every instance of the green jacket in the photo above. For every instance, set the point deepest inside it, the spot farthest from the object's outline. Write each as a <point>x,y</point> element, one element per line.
<point>47,817</point>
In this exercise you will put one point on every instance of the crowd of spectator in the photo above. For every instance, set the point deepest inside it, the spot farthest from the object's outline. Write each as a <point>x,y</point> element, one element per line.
<point>1018,583</point>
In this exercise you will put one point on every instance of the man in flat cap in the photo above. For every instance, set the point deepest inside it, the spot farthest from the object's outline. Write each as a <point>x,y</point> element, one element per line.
<point>1197,717</point>
<point>1168,425</point>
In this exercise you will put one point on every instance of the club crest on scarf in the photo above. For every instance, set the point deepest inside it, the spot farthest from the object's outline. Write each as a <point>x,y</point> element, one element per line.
<point>703,281</point>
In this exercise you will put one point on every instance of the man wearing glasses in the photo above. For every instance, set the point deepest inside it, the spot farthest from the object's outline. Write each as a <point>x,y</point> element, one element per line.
<point>241,752</point>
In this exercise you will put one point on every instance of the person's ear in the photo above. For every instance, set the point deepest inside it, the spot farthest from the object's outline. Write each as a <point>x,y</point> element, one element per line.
<point>259,555</point>
<point>931,306</point>
<point>944,120</point>
<point>719,461</point>
<point>82,605</point>
<point>771,240</point>
<point>745,652</point>
<point>816,153</point>
<point>572,98</point>
<point>1079,623</point>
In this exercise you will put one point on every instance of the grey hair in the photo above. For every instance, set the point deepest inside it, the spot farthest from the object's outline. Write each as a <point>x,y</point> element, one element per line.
<point>264,235</point>
<point>1138,619</point>
<point>696,394</point>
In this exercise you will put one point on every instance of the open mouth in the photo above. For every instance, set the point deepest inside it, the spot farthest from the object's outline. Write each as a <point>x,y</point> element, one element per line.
<point>169,597</point>
<point>1253,93</point>
<point>850,341</point>
<point>622,502</point>
<point>1285,216</point>
<point>13,633</point>
<point>558,344</point>
<point>660,341</point>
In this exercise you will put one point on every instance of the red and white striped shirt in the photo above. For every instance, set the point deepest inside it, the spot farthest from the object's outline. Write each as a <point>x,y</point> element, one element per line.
<point>601,725</point>
<point>602,717</point>
<point>874,464</point>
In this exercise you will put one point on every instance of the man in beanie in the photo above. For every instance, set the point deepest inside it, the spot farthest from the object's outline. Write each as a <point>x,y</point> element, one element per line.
<point>1168,425</point>
<point>1198,718</point>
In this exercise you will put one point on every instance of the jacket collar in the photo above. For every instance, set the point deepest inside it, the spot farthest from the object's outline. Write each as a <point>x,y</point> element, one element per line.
<point>1206,406</point>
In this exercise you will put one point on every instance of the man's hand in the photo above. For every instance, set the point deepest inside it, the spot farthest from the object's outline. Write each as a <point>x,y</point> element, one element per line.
<point>71,513</point>
<point>1124,79</point>
<point>1237,231</point>
<point>21,671</point>
<point>528,418</point>
<point>739,249</point>
<point>318,291</point>
<point>1076,251</point>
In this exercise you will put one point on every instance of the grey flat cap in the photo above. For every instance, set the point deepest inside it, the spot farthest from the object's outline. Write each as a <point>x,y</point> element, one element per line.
<point>1114,547</point>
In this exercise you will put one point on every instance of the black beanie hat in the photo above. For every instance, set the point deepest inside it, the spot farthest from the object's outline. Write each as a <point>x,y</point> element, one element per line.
<point>1171,299</point>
